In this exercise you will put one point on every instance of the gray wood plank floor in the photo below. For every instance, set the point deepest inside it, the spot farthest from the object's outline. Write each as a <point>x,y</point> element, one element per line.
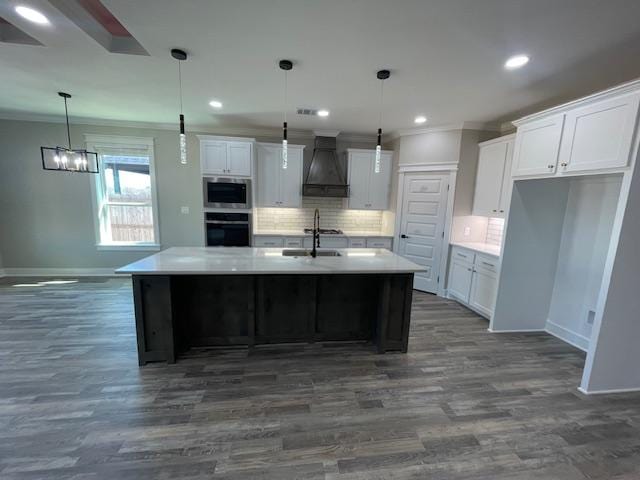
<point>463,404</point>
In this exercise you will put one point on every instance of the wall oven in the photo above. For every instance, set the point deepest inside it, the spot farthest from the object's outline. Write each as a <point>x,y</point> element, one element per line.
<point>227,229</point>
<point>225,192</point>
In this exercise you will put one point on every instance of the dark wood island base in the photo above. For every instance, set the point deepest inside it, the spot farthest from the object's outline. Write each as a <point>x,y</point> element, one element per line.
<point>177,312</point>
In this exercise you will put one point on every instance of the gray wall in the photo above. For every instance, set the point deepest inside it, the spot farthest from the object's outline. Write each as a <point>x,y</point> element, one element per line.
<point>46,218</point>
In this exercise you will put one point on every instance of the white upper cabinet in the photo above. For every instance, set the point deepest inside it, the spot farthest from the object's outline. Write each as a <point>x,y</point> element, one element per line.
<point>593,134</point>
<point>368,189</point>
<point>226,157</point>
<point>537,147</point>
<point>493,180</point>
<point>213,157</point>
<point>599,135</point>
<point>239,158</point>
<point>277,186</point>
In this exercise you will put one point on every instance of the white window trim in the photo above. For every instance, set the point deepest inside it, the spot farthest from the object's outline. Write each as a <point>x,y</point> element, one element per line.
<point>94,143</point>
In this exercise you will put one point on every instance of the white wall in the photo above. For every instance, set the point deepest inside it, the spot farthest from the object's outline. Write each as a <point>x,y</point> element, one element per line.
<point>530,254</point>
<point>586,235</point>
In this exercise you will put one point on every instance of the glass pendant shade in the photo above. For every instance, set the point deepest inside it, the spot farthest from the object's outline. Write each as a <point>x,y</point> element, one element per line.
<point>284,147</point>
<point>183,142</point>
<point>376,167</point>
<point>67,159</point>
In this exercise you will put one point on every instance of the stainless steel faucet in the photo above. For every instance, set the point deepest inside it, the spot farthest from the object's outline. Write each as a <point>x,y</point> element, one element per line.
<point>316,233</point>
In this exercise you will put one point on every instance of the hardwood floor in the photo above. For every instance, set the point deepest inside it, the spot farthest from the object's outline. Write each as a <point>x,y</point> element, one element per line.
<point>463,404</point>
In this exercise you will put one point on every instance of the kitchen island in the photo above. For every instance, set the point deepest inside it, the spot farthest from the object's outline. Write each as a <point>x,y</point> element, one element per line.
<point>187,297</point>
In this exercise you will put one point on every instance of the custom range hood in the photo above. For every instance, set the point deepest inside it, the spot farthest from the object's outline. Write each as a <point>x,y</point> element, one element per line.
<point>325,177</point>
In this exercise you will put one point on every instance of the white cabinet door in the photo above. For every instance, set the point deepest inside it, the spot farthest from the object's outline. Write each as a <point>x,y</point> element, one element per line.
<point>379,183</point>
<point>599,136</point>
<point>459,282</point>
<point>239,158</point>
<point>489,179</point>
<point>291,179</point>
<point>360,166</point>
<point>379,243</point>
<point>214,157</point>
<point>269,163</point>
<point>327,241</point>
<point>507,182</point>
<point>273,241</point>
<point>537,147</point>
<point>484,288</point>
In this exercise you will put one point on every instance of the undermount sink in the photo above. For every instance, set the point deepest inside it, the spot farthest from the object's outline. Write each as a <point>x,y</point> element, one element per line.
<point>307,253</point>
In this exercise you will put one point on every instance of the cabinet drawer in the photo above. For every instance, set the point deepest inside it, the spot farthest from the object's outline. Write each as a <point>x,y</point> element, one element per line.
<point>486,262</point>
<point>379,243</point>
<point>357,242</point>
<point>293,242</point>
<point>328,242</point>
<point>462,254</point>
<point>268,241</point>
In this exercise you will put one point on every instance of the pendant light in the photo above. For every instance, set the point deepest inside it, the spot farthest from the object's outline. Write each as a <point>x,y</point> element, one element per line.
<point>181,55</point>
<point>285,65</point>
<point>67,159</point>
<point>382,75</point>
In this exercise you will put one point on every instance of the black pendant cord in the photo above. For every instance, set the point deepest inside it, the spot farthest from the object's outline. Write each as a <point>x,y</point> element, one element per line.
<point>180,84</point>
<point>66,114</point>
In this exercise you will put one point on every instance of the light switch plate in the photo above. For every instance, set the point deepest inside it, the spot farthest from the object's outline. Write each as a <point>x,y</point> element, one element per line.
<point>184,210</point>
<point>467,231</point>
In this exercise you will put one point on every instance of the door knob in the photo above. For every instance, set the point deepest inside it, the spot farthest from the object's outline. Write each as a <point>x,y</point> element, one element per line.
<point>404,236</point>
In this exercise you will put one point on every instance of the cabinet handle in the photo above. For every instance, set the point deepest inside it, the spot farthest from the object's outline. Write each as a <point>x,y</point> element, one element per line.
<point>501,211</point>
<point>489,264</point>
<point>404,236</point>
<point>495,210</point>
<point>549,167</point>
<point>468,269</point>
<point>564,164</point>
<point>462,255</point>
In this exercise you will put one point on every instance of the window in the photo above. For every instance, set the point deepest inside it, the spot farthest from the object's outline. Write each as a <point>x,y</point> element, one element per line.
<point>124,190</point>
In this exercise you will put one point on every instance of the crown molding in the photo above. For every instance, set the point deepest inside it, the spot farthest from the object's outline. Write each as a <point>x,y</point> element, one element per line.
<point>627,87</point>
<point>275,132</point>
<point>204,129</point>
<point>490,127</point>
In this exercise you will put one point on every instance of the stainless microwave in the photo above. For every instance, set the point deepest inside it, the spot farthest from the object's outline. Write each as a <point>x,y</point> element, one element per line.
<point>225,192</point>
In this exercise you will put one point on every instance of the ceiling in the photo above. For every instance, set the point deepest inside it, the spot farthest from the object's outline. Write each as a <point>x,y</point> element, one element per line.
<point>446,59</point>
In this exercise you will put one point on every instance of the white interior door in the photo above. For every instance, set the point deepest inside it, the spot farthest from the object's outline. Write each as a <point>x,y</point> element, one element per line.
<point>424,205</point>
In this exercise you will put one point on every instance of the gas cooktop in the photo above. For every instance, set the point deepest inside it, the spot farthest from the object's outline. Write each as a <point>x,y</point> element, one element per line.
<point>325,231</point>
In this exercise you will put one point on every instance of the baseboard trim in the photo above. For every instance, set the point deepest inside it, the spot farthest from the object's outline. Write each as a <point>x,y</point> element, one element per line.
<point>59,272</point>
<point>572,338</point>
<point>611,391</point>
<point>518,331</point>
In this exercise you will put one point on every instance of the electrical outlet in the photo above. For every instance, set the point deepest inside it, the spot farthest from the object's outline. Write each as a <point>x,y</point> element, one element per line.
<point>184,210</point>
<point>467,231</point>
<point>591,316</point>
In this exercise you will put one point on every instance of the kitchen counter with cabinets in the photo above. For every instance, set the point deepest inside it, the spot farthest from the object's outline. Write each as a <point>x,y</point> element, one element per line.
<point>473,276</point>
<point>299,239</point>
<point>204,297</point>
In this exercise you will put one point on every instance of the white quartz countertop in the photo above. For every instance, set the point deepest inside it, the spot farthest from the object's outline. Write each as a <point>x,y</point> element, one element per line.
<point>301,233</point>
<point>489,249</point>
<point>265,261</point>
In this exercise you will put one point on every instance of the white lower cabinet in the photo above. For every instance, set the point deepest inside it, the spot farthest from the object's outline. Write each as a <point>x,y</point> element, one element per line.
<point>270,241</point>
<point>326,241</point>
<point>459,285</point>
<point>332,242</point>
<point>473,282</point>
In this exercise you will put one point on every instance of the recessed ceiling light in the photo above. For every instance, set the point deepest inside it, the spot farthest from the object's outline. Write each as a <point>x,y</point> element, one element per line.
<point>323,113</point>
<point>420,119</point>
<point>215,104</point>
<point>516,61</point>
<point>32,15</point>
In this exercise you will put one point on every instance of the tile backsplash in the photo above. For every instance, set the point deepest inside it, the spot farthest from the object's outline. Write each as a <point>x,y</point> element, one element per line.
<point>495,227</point>
<point>333,214</point>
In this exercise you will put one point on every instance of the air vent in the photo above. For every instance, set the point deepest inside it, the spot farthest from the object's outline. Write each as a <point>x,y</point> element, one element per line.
<point>307,111</point>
